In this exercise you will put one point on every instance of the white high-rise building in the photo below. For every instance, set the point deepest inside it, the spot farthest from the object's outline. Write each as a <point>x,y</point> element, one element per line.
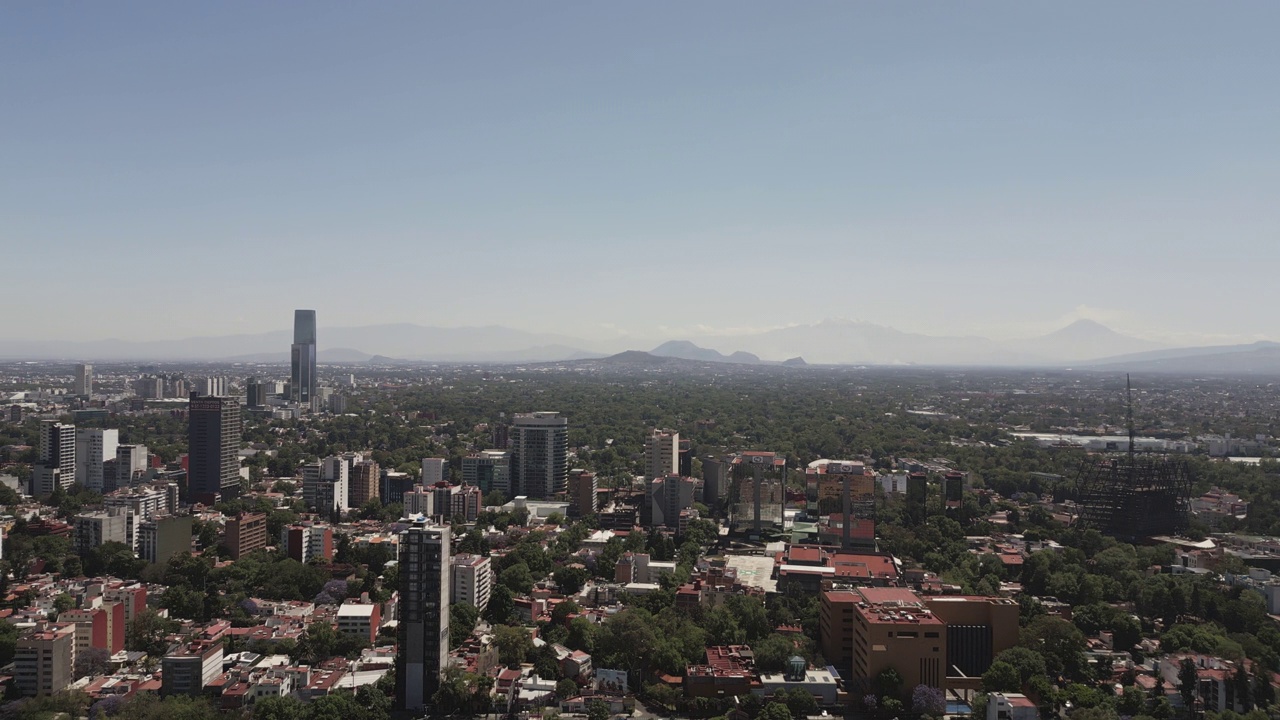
<point>325,485</point>
<point>662,454</point>
<point>433,470</point>
<point>472,580</point>
<point>214,386</point>
<point>539,454</point>
<point>84,380</point>
<point>131,464</point>
<point>56,463</point>
<point>94,446</point>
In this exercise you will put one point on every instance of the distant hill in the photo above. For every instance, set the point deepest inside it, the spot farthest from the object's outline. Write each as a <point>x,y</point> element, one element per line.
<point>1258,359</point>
<point>688,351</point>
<point>1081,340</point>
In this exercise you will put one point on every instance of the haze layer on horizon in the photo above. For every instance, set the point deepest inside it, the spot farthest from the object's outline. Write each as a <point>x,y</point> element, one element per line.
<point>655,171</point>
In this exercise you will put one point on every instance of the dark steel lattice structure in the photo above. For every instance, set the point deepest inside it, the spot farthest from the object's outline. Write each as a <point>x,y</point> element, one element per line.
<point>1134,496</point>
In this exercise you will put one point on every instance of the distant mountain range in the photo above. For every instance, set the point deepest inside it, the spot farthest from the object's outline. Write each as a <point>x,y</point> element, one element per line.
<point>1081,344</point>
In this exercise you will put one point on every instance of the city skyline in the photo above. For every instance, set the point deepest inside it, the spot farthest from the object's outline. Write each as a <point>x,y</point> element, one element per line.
<point>648,172</point>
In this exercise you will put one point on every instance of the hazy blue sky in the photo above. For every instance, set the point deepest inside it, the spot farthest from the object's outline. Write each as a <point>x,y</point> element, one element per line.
<point>173,169</point>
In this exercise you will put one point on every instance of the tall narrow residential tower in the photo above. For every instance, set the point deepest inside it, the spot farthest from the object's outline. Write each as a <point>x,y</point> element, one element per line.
<point>423,612</point>
<point>84,379</point>
<point>539,454</point>
<point>303,353</point>
<point>214,445</point>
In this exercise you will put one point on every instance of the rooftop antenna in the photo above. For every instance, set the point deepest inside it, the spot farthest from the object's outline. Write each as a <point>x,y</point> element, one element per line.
<point>1128,390</point>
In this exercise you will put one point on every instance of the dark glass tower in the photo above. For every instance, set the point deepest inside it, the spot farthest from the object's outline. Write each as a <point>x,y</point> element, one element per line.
<point>213,463</point>
<point>302,380</point>
<point>423,633</point>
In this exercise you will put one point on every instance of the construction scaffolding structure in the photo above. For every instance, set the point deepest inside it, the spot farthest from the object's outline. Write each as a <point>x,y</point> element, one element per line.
<point>1134,496</point>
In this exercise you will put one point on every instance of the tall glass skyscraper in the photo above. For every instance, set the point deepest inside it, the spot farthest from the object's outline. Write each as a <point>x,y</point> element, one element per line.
<point>302,381</point>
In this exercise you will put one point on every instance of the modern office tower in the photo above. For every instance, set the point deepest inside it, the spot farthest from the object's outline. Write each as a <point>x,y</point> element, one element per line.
<point>539,454</point>
<point>661,454</point>
<point>94,446</point>
<point>760,480</point>
<point>423,613</point>
<point>84,380</point>
<point>362,483</point>
<point>715,480</point>
<point>161,538</point>
<point>302,380</point>
<point>667,497</point>
<point>44,659</point>
<point>582,492</point>
<point>254,393</point>
<point>917,497</point>
<point>488,470</point>
<point>58,447</point>
<point>434,470</point>
<point>472,580</point>
<point>394,484</point>
<point>214,432</point>
<point>245,533</point>
<point>131,464</point>
<point>214,386</point>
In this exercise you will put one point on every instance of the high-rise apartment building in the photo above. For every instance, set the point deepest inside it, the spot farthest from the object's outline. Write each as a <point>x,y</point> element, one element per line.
<point>94,446</point>
<point>84,380</point>
<point>434,470</point>
<point>667,497</point>
<point>539,454</point>
<point>161,538</point>
<point>44,659</point>
<point>488,470</point>
<point>95,528</point>
<point>325,486</point>
<point>56,463</point>
<point>307,540</point>
<point>423,612</point>
<point>582,492</point>
<point>472,580</point>
<point>215,386</point>
<point>661,454</point>
<point>58,447</point>
<point>302,379</point>
<point>131,464</point>
<point>214,433</point>
<point>246,533</point>
<point>362,485</point>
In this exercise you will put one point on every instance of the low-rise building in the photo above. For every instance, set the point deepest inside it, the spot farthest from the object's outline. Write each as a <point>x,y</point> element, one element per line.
<point>189,668</point>
<point>360,620</point>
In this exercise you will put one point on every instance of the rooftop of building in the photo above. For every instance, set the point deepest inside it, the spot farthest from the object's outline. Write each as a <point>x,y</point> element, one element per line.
<point>356,610</point>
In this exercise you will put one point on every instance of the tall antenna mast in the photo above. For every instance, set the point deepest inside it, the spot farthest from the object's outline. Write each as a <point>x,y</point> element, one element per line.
<point>1128,391</point>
